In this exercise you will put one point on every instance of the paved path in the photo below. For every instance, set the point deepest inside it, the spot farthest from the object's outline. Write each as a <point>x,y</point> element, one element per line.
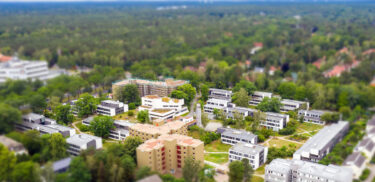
<point>372,173</point>
<point>75,127</point>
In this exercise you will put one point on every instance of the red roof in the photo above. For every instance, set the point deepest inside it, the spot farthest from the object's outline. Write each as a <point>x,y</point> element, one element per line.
<point>273,68</point>
<point>343,50</point>
<point>319,62</point>
<point>258,44</point>
<point>248,62</point>
<point>370,51</point>
<point>4,58</point>
<point>338,69</point>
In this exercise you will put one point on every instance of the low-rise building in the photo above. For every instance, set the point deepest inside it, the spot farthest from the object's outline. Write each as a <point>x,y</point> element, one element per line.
<point>148,131</point>
<point>322,143</point>
<point>274,121</point>
<point>312,116</point>
<point>120,130</point>
<point>258,96</point>
<point>13,145</point>
<point>355,162</point>
<point>284,170</point>
<point>366,146</point>
<point>163,107</point>
<point>293,105</point>
<point>233,136</point>
<point>218,104</point>
<point>256,154</point>
<point>167,153</point>
<point>241,111</point>
<point>111,108</point>
<point>82,141</point>
<point>62,165</point>
<point>220,94</point>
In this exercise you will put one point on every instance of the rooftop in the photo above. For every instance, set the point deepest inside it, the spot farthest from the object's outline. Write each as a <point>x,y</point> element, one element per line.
<point>8,142</point>
<point>356,158</point>
<point>159,142</point>
<point>167,82</point>
<point>247,148</point>
<point>81,139</point>
<point>242,134</point>
<point>163,129</point>
<point>61,164</point>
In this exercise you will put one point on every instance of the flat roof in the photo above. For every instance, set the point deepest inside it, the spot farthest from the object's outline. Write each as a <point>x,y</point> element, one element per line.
<point>81,139</point>
<point>247,148</point>
<point>159,142</point>
<point>8,142</point>
<point>163,129</point>
<point>242,134</point>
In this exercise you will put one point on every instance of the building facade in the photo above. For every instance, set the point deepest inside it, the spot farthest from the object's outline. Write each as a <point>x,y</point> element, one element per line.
<point>82,141</point>
<point>355,162</point>
<point>312,116</point>
<point>233,136</point>
<point>258,96</point>
<point>293,105</point>
<point>148,87</point>
<point>214,93</point>
<point>274,121</point>
<point>256,154</point>
<point>148,131</point>
<point>322,143</point>
<point>163,107</point>
<point>284,170</point>
<point>167,153</point>
<point>111,108</point>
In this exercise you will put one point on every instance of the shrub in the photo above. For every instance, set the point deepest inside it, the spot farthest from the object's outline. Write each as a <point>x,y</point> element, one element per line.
<point>83,128</point>
<point>365,174</point>
<point>132,106</point>
<point>130,113</point>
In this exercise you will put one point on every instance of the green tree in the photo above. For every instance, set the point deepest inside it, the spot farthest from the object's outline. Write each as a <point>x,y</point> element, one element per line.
<point>63,114</point>
<point>204,91</point>
<point>236,171</point>
<point>79,171</point>
<point>287,90</point>
<point>8,117</point>
<point>128,164</point>
<point>241,98</point>
<point>191,169</point>
<point>248,86</point>
<point>143,116</point>
<point>270,105</point>
<point>55,146</point>
<point>101,125</point>
<point>26,171</point>
<point>86,105</point>
<point>188,89</point>
<point>248,170</point>
<point>330,117</point>
<point>130,144</point>
<point>38,103</point>
<point>130,94</point>
<point>7,164</point>
<point>32,141</point>
<point>47,172</point>
<point>143,172</point>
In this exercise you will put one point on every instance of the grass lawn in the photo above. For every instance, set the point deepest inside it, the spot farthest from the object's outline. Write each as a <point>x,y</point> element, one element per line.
<point>257,179</point>
<point>303,127</point>
<point>217,146</point>
<point>124,116</point>
<point>279,143</point>
<point>260,170</point>
<point>216,158</point>
<point>194,134</point>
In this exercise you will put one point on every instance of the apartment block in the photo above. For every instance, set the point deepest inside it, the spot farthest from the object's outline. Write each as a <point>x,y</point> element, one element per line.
<point>293,105</point>
<point>220,94</point>
<point>17,69</point>
<point>312,116</point>
<point>163,107</point>
<point>274,121</point>
<point>256,154</point>
<point>284,170</point>
<point>111,108</point>
<point>13,145</point>
<point>158,128</point>
<point>82,141</point>
<point>148,87</point>
<point>233,136</point>
<point>167,153</point>
<point>258,96</point>
<point>322,143</point>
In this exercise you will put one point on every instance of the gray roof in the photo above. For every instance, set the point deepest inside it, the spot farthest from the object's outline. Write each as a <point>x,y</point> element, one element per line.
<point>59,127</point>
<point>81,139</point>
<point>9,143</point>
<point>220,90</point>
<point>40,127</point>
<point>247,148</point>
<point>366,143</point>
<point>355,158</point>
<point>371,122</point>
<point>61,164</point>
<point>32,116</point>
<point>280,165</point>
<point>323,137</point>
<point>242,134</point>
<point>318,112</point>
<point>153,178</point>
<point>292,101</point>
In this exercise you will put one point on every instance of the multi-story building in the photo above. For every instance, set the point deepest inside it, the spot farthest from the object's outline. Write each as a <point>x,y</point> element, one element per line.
<point>111,108</point>
<point>148,87</point>
<point>312,116</point>
<point>258,96</point>
<point>167,153</point>
<point>322,143</point>
<point>220,94</point>
<point>274,121</point>
<point>16,69</point>
<point>293,105</point>
<point>13,145</point>
<point>120,130</point>
<point>241,111</point>
<point>365,146</point>
<point>233,136</point>
<point>284,170</point>
<point>82,141</point>
<point>148,131</point>
<point>256,154</point>
<point>356,162</point>
<point>218,104</point>
<point>163,107</point>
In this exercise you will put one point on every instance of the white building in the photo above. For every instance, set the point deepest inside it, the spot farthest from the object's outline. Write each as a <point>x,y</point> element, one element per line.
<point>258,96</point>
<point>213,104</point>
<point>293,105</point>
<point>312,116</point>
<point>163,107</point>
<point>221,94</point>
<point>366,146</point>
<point>120,132</point>
<point>256,154</point>
<point>111,108</point>
<point>274,121</point>
<point>16,69</point>
<point>233,136</point>
<point>355,162</point>
<point>284,170</point>
<point>83,141</point>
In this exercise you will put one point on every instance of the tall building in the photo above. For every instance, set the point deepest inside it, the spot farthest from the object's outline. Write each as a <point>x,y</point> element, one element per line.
<point>167,153</point>
<point>16,69</point>
<point>221,94</point>
<point>148,87</point>
<point>322,143</point>
<point>163,107</point>
<point>158,128</point>
<point>284,170</point>
<point>256,154</point>
<point>111,108</point>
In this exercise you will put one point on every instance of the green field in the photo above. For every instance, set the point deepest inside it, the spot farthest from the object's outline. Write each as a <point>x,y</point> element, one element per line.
<point>280,143</point>
<point>217,146</point>
<point>216,158</point>
<point>257,179</point>
<point>303,127</point>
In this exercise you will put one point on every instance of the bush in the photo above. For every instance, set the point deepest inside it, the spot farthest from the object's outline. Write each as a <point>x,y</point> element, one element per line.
<point>365,174</point>
<point>261,138</point>
<point>287,131</point>
<point>83,128</point>
<point>130,113</point>
<point>132,106</point>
